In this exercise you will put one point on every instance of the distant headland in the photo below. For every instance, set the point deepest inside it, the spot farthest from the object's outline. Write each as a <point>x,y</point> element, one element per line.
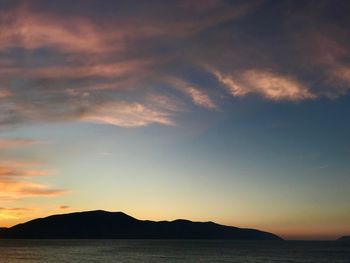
<point>344,238</point>
<point>117,225</point>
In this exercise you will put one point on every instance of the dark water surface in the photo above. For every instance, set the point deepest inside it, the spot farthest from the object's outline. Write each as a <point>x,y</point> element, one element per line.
<point>17,251</point>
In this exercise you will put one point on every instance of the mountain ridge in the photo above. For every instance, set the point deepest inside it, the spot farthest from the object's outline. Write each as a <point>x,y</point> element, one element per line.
<point>118,225</point>
<point>344,238</point>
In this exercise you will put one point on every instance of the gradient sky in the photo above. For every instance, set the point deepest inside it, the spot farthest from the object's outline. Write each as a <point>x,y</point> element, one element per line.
<point>229,111</point>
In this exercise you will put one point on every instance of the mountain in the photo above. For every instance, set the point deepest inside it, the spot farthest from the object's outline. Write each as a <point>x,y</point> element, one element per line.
<point>108,225</point>
<point>344,238</point>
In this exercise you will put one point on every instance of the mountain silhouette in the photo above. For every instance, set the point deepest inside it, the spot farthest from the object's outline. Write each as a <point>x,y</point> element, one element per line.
<point>109,225</point>
<point>344,238</point>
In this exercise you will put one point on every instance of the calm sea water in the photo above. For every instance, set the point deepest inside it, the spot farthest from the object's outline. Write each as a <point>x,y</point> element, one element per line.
<point>17,251</point>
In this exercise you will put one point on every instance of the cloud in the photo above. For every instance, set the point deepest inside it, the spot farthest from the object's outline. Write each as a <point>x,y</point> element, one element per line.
<point>127,115</point>
<point>7,209</point>
<point>79,71</point>
<point>197,95</point>
<point>30,30</point>
<point>15,143</point>
<point>14,184</point>
<point>276,86</point>
<point>13,189</point>
<point>13,212</point>
<point>200,98</point>
<point>6,171</point>
<point>342,73</point>
<point>270,85</point>
<point>332,56</point>
<point>76,32</point>
<point>64,207</point>
<point>232,85</point>
<point>84,61</point>
<point>4,93</point>
<point>90,62</point>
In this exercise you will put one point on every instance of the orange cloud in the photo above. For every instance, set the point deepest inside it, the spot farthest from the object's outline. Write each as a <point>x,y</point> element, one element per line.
<point>14,143</point>
<point>4,93</point>
<point>13,183</point>
<point>14,209</point>
<point>13,212</point>
<point>12,189</point>
<point>14,171</point>
<point>12,168</point>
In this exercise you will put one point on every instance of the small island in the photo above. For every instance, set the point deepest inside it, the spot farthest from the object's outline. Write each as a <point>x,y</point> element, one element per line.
<point>117,225</point>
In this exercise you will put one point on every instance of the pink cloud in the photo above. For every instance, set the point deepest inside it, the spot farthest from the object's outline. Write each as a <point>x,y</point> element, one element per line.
<point>233,86</point>
<point>276,86</point>
<point>341,72</point>
<point>327,50</point>
<point>127,115</point>
<point>269,84</point>
<point>200,98</point>
<point>197,95</point>
<point>94,62</point>
<point>33,30</point>
<point>101,55</point>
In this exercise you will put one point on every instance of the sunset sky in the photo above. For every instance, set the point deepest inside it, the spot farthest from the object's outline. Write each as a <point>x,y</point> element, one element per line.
<point>229,111</point>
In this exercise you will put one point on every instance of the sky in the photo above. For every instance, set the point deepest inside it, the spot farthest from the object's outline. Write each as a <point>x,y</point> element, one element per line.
<point>229,111</point>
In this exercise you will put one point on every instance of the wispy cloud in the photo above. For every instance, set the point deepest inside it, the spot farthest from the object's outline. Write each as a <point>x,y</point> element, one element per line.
<point>7,209</point>
<point>5,93</point>
<point>91,57</point>
<point>13,183</point>
<point>79,65</point>
<point>14,175</point>
<point>127,115</point>
<point>12,189</point>
<point>231,84</point>
<point>270,85</point>
<point>14,143</point>
<point>276,86</point>
<point>34,30</point>
<point>197,95</point>
<point>13,212</point>
<point>11,171</point>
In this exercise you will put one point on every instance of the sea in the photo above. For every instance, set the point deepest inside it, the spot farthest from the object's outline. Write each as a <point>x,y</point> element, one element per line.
<point>82,251</point>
